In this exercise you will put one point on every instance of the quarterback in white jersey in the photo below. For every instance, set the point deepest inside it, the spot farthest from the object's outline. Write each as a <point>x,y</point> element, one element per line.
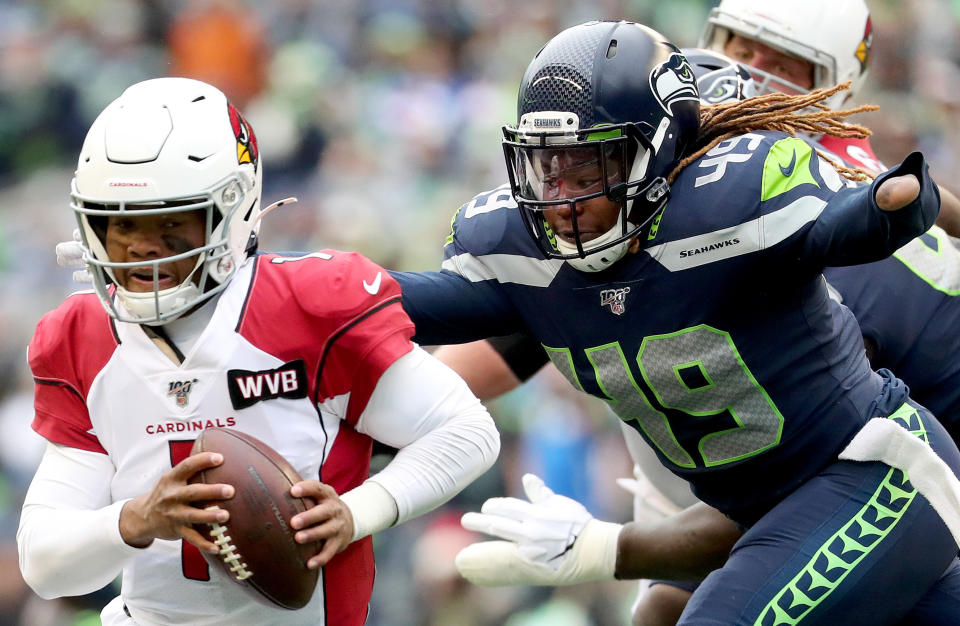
<point>188,328</point>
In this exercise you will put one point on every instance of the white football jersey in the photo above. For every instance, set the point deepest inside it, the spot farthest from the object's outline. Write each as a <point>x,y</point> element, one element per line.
<point>293,350</point>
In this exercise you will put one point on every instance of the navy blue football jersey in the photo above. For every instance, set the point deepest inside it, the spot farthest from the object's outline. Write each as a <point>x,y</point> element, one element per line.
<point>908,307</point>
<point>717,340</point>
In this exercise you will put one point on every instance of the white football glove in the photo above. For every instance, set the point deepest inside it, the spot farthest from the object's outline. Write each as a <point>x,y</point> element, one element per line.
<point>550,540</point>
<point>649,503</point>
<point>70,254</point>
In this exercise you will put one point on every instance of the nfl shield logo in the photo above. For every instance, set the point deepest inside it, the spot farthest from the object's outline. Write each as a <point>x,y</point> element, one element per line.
<point>616,299</point>
<point>180,391</point>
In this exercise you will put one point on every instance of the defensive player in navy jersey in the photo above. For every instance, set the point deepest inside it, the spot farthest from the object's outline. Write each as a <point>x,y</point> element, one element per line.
<point>915,340</point>
<point>696,308</point>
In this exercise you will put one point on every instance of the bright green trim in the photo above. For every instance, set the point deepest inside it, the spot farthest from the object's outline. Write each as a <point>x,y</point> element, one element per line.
<point>843,551</point>
<point>453,219</point>
<point>787,166</point>
<point>608,134</point>
<point>737,417</point>
<point>703,372</point>
<point>655,225</point>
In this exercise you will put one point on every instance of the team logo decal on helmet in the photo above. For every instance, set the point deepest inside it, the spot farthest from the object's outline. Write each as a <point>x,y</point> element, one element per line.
<point>247,151</point>
<point>863,49</point>
<point>672,82</point>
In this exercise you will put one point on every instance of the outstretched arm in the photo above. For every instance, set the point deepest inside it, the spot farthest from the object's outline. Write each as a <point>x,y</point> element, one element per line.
<point>949,218</point>
<point>494,366</point>
<point>553,540</point>
<point>685,546</point>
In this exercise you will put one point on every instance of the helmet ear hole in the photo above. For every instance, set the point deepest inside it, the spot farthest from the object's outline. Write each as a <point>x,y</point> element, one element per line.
<point>98,224</point>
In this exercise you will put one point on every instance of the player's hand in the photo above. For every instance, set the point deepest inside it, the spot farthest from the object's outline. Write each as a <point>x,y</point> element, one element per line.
<point>550,540</point>
<point>648,502</point>
<point>70,254</point>
<point>328,521</point>
<point>897,192</point>
<point>166,511</point>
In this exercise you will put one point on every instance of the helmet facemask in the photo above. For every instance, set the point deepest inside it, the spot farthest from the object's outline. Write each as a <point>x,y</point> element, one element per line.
<point>616,96</point>
<point>561,170</point>
<point>211,272</point>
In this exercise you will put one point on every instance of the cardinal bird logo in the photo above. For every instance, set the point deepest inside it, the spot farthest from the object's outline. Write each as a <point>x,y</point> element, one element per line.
<point>247,151</point>
<point>863,49</point>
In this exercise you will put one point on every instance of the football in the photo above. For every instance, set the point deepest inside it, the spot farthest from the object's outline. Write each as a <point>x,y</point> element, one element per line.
<point>257,548</point>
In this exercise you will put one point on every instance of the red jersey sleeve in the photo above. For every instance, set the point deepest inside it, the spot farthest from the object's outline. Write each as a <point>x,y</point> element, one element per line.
<point>340,311</point>
<point>70,346</point>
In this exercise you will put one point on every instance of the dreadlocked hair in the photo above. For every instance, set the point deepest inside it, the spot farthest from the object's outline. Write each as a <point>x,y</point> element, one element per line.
<point>801,113</point>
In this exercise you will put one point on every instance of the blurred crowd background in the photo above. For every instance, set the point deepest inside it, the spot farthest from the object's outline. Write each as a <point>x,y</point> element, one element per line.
<point>382,117</point>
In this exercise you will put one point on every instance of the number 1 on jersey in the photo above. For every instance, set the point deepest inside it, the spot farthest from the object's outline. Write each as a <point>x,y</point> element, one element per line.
<point>191,559</point>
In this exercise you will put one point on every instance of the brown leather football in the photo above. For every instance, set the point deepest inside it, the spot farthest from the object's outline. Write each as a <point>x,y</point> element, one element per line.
<point>257,548</point>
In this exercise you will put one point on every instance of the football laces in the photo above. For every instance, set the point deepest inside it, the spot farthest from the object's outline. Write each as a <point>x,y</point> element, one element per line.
<point>228,552</point>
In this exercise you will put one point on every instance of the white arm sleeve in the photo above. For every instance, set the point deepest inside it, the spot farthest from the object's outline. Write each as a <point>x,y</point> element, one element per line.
<point>69,536</point>
<point>446,439</point>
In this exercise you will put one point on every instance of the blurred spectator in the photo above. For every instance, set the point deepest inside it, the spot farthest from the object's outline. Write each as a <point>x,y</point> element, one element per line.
<point>221,42</point>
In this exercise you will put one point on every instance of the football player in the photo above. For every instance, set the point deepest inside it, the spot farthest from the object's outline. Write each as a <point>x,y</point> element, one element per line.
<point>185,328</point>
<point>695,307</point>
<point>793,46</point>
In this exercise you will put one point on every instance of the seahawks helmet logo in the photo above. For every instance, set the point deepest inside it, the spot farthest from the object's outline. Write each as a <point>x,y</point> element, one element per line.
<point>726,84</point>
<point>673,81</point>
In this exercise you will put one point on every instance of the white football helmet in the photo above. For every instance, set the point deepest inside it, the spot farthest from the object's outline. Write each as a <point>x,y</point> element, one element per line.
<point>834,36</point>
<point>169,145</point>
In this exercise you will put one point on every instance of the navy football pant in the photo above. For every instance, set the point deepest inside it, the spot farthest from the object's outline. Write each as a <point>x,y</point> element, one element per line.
<point>856,544</point>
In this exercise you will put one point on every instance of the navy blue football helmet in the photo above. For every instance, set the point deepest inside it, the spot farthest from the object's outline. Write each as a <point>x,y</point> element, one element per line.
<point>720,79</point>
<point>610,95</point>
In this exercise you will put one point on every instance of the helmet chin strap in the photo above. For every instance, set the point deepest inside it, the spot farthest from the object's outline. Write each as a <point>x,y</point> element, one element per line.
<point>144,305</point>
<point>601,259</point>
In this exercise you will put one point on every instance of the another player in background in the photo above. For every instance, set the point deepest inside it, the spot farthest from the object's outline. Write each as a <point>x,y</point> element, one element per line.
<point>182,321</point>
<point>673,290</point>
<point>793,46</point>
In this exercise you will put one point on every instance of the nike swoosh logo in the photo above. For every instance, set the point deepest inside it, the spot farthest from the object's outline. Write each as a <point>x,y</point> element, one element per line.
<point>788,170</point>
<point>373,288</point>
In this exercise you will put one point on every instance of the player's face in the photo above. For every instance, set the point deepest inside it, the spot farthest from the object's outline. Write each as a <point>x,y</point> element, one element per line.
<point>150,237</point>
<point>763,57</point>
<point>571,174</point>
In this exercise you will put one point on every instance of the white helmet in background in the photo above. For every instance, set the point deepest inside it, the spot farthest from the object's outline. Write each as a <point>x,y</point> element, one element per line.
<point>169,145</point>
<point>834,35</point>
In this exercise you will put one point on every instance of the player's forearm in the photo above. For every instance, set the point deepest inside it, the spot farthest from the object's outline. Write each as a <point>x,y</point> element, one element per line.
<point>867,224</point>
<point>70,552</point>
<point>484,370</point>
<point>949,218</point>
<point>437,466</point>
<point>69,536</point>
<point>685,546</point>
<point>445,437</point>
